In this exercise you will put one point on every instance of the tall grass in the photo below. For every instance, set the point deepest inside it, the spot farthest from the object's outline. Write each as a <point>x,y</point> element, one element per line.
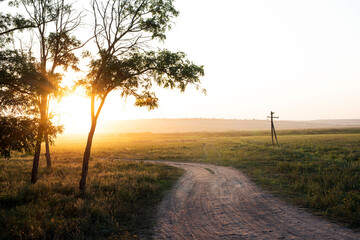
<point>319,172</point>
<point>318,169</point>
<point>119,202</point>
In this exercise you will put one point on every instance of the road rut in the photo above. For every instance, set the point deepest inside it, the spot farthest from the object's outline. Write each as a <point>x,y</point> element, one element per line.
<point>214,202</point>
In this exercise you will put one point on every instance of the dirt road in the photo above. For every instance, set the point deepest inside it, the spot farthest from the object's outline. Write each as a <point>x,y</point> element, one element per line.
<point>213,202</point>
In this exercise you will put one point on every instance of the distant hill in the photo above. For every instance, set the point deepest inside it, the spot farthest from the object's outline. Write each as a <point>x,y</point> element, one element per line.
<point>210,125</point>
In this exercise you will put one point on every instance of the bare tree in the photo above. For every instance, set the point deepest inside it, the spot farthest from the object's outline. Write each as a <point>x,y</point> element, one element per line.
<point>123,31</point>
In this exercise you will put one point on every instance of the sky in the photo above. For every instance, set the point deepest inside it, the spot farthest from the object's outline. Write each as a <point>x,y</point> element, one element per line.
<point>300,59</point>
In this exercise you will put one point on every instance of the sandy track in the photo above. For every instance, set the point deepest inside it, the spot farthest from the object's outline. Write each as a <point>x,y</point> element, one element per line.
<point>213,202</point>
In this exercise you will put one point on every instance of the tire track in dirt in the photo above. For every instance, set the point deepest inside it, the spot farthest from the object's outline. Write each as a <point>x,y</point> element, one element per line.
<point>214,202</point>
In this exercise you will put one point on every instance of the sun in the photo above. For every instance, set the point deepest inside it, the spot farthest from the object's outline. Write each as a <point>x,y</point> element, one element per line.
<point>73,112</point>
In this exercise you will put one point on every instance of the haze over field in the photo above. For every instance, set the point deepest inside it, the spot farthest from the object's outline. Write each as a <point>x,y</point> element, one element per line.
<point>213,125</point>
<point>297,58</point>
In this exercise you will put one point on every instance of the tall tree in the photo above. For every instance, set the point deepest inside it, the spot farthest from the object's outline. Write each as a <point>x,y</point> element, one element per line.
<point>55,21</point>
<point>61,48</point>
<point>123,29</point>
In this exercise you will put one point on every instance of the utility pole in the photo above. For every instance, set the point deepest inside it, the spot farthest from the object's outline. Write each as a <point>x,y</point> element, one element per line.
<point>273,133</point>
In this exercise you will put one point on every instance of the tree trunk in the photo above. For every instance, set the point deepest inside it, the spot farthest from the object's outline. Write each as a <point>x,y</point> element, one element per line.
<point>94,118</point>
<point>40,134</point>
<point>46,135</point>
<point>47,153</point>
<point>86,159</point>
<point>35,168</point>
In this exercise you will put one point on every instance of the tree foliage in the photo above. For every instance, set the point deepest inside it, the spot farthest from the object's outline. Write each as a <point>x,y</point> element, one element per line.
<point>9,24</point>
<point>21,83</point>
<point>135,74</point>
<point>17,134</point>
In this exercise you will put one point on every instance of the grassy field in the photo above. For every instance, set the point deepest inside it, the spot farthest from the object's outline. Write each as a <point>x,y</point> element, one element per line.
<point>317,169</point>
<point>119,203</point>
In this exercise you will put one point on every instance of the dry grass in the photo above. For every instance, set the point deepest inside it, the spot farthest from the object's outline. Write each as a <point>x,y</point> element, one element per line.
<point>317,169</point>
<point>119,202</point>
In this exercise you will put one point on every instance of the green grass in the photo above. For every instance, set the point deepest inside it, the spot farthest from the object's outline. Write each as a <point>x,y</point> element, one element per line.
<point>319,172</point>
<point>118,204</point>
<point>316,169</point>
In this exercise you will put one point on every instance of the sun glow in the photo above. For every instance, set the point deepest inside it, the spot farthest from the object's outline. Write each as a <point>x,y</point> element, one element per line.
<point>73,112</point>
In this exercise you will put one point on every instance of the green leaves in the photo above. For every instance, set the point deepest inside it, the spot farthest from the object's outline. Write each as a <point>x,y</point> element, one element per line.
<point>135,74</point>
<point>20,82</point>
<point>159,21</point>
<point>16,134</point>
<point>147,99</point>
<point>60,47</point>
<point>19,134</point>
<point>173,70</point>
<point>10,23</point>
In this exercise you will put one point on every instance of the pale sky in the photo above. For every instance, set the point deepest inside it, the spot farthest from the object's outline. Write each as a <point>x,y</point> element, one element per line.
<point>300,59</point>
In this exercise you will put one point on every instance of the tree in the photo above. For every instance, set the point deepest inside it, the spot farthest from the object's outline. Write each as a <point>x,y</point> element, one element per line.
<point>53,22</point>
<point>122,30</point>
<point>56,49</point>
<point>20,84</point>
<point>22,88</point>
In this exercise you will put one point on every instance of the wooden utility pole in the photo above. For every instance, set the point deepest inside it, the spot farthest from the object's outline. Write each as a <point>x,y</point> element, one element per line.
<point>273,132</point>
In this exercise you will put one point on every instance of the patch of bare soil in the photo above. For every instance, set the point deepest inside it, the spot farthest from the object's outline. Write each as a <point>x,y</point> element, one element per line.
<point>214,202</point>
